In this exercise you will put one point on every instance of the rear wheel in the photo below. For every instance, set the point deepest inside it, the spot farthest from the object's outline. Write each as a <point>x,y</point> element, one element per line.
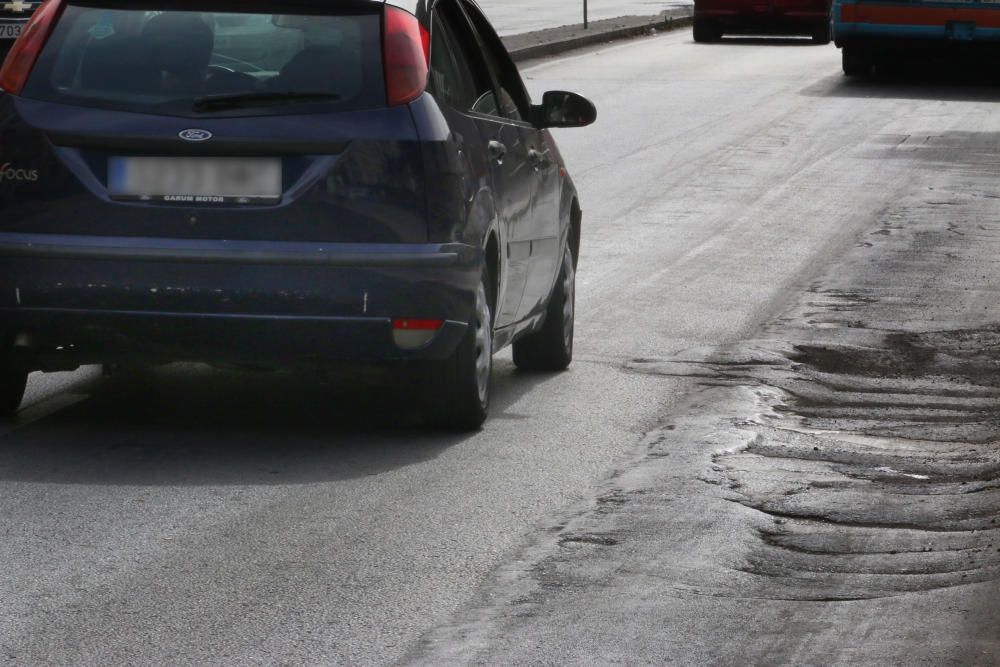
<point>855,63</point>
<point>459,397</point>
<point>551,348</point>
<point>706,30</point>
<point>12,383</point>
<point>822,34</point>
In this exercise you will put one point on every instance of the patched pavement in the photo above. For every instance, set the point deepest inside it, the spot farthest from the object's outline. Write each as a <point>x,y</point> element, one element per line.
<point>829,493</point>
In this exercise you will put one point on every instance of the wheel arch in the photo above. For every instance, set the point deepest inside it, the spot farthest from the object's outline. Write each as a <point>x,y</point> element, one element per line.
<point>571,219</point>
<point>492,263</point>
<point>575,230</point>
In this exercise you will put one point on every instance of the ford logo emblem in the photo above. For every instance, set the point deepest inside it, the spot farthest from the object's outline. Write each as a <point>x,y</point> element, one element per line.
<point>195,135</point>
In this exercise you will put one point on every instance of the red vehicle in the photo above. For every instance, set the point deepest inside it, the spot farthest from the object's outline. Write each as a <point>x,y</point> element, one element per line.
<point>713,18</point>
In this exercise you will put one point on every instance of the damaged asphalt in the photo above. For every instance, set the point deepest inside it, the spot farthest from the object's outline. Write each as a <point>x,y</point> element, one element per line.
<point>829,490</point>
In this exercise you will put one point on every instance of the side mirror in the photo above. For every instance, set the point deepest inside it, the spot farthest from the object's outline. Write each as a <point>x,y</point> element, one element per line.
<point>562,109</point>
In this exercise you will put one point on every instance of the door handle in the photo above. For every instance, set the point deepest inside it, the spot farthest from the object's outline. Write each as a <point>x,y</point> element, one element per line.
<point>538,158</point>
<point>497,151</point>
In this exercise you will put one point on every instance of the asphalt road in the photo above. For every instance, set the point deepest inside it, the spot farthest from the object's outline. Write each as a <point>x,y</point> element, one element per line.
<point>516,16</point>
<point>694,490</point>
<point>826,491</point>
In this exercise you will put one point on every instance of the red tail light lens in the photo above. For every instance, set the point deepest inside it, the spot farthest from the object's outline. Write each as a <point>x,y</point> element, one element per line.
<point>414,334</point>
<point>406,51</point>
<point>24,54</point>
<point>417,325</point>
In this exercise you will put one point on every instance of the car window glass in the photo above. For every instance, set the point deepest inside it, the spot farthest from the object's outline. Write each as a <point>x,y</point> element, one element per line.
<point>513,98</point>
<point>161,61</point>
<point>458,75</point>
<point>451,80</point>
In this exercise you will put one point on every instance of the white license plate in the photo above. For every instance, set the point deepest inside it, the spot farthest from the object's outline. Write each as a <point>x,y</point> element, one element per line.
<point>190,180</point>
<point>10,30</point>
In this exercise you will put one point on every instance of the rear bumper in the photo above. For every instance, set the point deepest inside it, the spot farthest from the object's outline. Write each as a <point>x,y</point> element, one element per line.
<point>91,299</point>
<point>915,25</point>
<point>66,339</point>
<point>764,16</point>
<point>53,246</point>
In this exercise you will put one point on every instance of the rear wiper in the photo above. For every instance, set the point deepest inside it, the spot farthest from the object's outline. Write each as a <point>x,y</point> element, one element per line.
<point>219,102</point>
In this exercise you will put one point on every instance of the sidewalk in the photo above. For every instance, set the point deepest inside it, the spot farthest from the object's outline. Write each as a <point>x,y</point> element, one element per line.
<point>550,41</point>
<point>511,17</point>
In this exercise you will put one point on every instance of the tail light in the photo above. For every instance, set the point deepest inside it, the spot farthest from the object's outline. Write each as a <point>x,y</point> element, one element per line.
<point>406,52</point>
<point>24,54</point>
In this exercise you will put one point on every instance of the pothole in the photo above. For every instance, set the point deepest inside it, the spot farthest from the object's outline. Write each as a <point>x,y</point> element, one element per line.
<point>880,471</point>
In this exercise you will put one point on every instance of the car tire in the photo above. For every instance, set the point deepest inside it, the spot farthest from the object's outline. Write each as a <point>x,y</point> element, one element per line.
<point>12,383</point>
<point>551,348</point>
<point>823,34</point>
<point>855,63</point>
<point>706,31</point>
<point>459,396</point>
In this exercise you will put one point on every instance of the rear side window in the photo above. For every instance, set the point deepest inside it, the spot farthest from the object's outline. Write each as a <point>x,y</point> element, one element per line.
<point>167,61</point>
<point>514,101</point>
<point>458,73</point>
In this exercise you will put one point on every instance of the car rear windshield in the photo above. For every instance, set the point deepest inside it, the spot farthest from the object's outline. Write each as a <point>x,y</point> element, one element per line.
<point>170,62</point>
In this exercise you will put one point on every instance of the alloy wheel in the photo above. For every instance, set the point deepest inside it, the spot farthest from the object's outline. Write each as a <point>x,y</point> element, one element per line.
<point>484,344</point>
<point>569,298</point>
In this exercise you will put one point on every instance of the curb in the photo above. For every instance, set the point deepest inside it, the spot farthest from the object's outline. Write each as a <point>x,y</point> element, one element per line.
<point>552,41</point>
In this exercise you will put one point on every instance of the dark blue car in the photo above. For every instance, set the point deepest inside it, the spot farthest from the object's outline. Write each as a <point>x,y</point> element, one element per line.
<point>294,183</point>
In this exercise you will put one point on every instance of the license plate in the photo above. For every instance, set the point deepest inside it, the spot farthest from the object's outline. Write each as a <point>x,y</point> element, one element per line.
<point>186,180</point>
<point>10,30</point>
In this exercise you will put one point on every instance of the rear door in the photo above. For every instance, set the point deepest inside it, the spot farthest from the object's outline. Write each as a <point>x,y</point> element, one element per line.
<point>497,143</point>
<point>266,122</point>
<point>537,234</point>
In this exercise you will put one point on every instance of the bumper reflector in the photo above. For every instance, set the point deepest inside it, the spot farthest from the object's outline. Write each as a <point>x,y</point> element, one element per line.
<point>414,334</point>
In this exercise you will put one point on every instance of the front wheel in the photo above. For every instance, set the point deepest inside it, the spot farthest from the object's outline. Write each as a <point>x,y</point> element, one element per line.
<point>551,348</point>
<point>855,63</point>
<point>459,396</point>
<point>823,33</point>
<point>12,383</point>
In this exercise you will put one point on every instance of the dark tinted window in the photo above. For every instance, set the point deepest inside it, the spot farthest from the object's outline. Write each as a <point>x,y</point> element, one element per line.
<point>458,74</point>
<point>514,101</point>
<point>162,61</point>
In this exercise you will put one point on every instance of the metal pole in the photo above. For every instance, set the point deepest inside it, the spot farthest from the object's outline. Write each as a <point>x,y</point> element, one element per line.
<point>585,21</point>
